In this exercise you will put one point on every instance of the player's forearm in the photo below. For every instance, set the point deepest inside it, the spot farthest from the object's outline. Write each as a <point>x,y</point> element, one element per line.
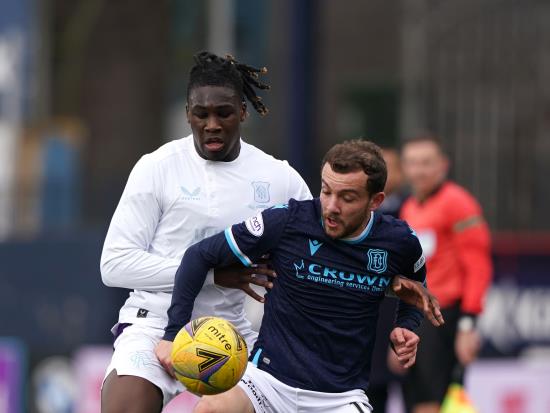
<point>125,260</point>
<point>408,316</point>
<point>189,280</point>
<point>190,276</point>
<point>133,268</point>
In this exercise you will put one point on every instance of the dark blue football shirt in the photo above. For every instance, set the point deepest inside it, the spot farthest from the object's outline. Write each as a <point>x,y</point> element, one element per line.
<point>319,323</point>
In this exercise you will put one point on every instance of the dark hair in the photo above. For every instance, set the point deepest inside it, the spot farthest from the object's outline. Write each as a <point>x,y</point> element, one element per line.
<point>213,70</point>
<point>359,155</point>
<point>424,137</point>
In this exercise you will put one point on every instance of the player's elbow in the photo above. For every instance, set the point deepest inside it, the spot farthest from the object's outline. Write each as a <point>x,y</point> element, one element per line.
<point>110,273</point>
<point>107,275</point>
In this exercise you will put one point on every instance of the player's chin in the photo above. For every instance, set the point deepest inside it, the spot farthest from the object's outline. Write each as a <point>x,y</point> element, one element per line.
<point>334,233</point>
<point>333,230</point>
<point>217,155</point>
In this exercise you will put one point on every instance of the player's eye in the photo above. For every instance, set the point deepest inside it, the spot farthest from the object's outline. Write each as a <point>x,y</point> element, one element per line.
<point>225,113</point>
<point>348,199</point>
<point>200,114</point>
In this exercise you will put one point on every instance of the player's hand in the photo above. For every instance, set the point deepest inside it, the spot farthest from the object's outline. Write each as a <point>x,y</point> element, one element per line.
<point>405,345</point>
<point>467,345</point>
<point>163,351</point>
<point>414,293</point>
<point>239,277</point>
<point>393,363</point>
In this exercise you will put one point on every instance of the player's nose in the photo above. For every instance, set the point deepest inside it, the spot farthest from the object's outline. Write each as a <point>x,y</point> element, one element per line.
<point>331,205</point>
<point>212,124</point>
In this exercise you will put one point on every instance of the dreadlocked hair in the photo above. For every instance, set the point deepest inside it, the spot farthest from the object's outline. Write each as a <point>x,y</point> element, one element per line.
<point>213,70</point>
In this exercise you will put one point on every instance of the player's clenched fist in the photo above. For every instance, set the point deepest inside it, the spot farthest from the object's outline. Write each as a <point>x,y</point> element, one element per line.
<point>405,344</point>
<point>414,293</point>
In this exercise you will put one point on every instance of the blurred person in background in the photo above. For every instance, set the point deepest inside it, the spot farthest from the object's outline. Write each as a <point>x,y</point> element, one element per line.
<point>456,242</point>
<point>382,376</point>
<point>396,191</point>
<point>183,192</point>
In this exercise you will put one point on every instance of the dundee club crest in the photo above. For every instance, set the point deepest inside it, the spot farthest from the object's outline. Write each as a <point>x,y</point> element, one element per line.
<point>377,260</point>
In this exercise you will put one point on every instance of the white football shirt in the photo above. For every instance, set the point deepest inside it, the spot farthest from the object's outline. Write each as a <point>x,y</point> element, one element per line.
<point>174,198</point>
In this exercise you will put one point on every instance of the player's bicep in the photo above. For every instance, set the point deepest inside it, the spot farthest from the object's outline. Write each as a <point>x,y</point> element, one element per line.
<point>135,219</point>
<point>257,235</point>
<point>232,243</point>
<point>215,251</point>
<point>419,269</point>
<point>415,263</point>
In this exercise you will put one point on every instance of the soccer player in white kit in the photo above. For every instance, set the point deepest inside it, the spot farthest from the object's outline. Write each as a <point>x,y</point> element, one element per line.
<point>184,191</point>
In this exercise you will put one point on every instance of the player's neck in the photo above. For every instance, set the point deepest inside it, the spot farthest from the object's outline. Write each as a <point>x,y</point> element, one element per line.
<point>362,231</point>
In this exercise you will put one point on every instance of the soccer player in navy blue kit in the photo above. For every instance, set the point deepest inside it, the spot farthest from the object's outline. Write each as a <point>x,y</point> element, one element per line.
<point>334,257</point>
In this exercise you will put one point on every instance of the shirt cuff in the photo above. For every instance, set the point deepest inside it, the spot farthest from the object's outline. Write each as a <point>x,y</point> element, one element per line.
<point>466,322</point>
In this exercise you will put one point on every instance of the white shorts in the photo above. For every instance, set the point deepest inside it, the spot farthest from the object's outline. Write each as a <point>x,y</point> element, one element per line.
<point>269,395</point>
<point>134,355</point>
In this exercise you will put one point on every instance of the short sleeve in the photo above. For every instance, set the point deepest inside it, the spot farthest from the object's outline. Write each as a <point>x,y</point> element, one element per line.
<point>258,234</point>
<point>414,265</point>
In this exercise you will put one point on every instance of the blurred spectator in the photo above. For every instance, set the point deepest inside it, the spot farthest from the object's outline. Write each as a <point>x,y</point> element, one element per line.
<point>381,376</point>
<point>396,191</point>
<point>456,244</point>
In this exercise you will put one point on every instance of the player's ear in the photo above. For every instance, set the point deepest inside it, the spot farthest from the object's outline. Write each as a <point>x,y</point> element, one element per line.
<point>376,200</point>
<point>187,112</point>
<point>244,113</point>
